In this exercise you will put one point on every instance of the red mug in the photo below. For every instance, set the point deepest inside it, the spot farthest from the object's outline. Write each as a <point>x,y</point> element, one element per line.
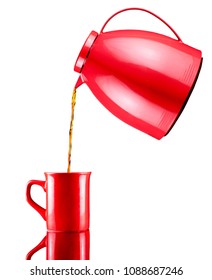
<point>67,201</point>
<point>64,246</point>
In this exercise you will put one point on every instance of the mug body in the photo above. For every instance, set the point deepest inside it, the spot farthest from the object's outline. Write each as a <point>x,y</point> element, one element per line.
<point>68,201</point>
<point>68,245</point>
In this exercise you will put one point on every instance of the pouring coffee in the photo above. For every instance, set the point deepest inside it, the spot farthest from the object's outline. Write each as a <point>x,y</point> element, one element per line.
<point>143,78</point>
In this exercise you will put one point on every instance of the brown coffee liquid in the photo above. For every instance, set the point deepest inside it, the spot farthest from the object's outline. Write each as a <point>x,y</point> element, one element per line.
<point>71,128</point>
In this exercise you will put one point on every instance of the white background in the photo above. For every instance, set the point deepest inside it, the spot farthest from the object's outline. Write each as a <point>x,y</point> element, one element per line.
<point>150,200</point>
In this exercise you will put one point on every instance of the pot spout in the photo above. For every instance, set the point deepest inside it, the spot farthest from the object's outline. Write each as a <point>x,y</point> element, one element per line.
<point>79,82</point>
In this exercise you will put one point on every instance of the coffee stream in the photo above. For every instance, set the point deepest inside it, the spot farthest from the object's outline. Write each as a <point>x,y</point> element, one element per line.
<point>71,128</point>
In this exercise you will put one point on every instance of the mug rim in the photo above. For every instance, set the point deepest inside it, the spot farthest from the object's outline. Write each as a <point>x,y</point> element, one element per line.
<point>68,173</point>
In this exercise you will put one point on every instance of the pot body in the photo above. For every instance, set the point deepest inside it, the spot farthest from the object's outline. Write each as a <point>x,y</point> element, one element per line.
<point>143,78</point>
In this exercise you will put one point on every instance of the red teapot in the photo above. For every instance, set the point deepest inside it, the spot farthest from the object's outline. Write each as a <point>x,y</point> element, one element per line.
<point>143,78</point>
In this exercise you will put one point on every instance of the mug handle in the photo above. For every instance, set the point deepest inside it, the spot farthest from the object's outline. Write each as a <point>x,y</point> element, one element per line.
<point>40,245</point>
<point>29,199</point>
<point>144,10</point>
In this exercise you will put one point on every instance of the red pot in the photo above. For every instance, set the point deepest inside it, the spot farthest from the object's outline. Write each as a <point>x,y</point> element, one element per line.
<point>143,78</point>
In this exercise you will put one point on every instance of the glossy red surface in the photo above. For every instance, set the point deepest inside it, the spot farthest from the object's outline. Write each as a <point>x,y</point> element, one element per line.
<point>64,246</point>
<point>143,78</point>
<point>67,201</point>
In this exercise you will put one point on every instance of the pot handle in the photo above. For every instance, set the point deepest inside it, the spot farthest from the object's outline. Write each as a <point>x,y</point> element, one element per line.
<point>144,10</point>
